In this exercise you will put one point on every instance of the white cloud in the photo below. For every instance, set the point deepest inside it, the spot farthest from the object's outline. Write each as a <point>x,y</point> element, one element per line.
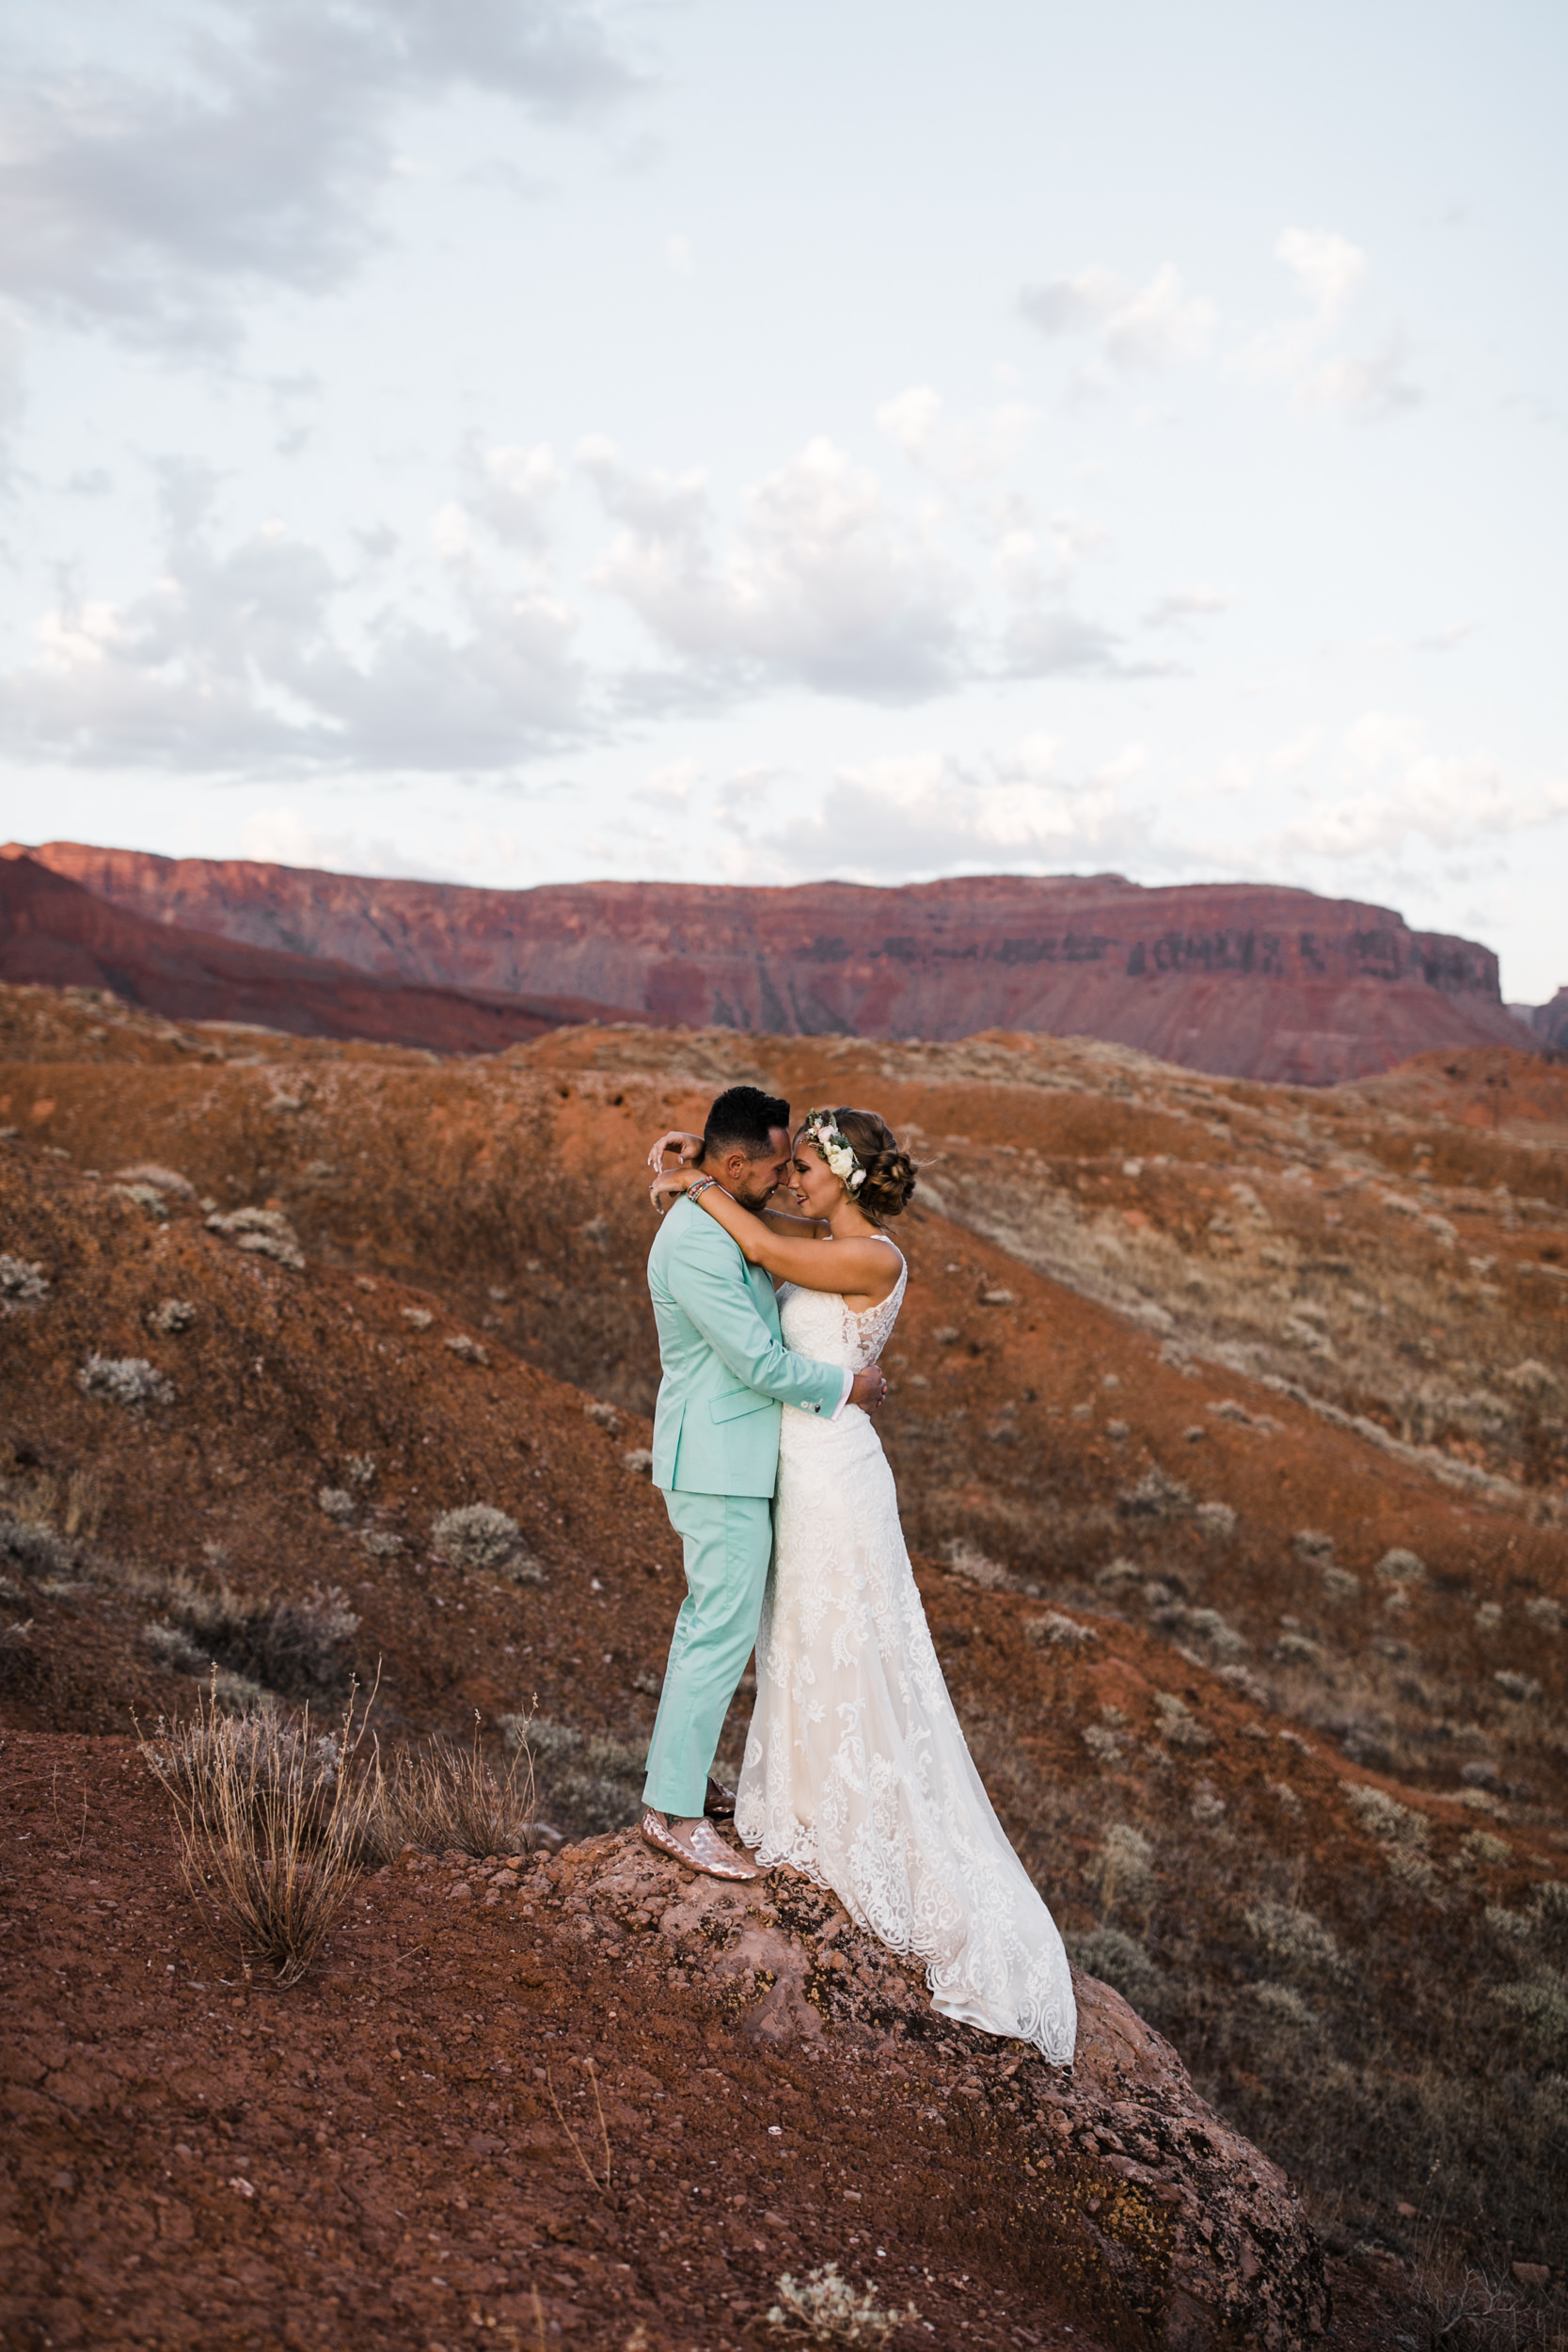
<point>1294,353</point>
<point>1391,789</point>
<point>512,491</point>
<point>252,150</point>
<point>1185,606</point>
<point>1329,266</point>
<point>929,813</point>
<point>281,836</point>
<point>823,584</point>
<point>1048,641</point>
<point>13,383</point>
<point>1146,327</point>
<point>1444,639</point>
<point>950,450</point>
<point>680,257</point>
<point>241,657</point>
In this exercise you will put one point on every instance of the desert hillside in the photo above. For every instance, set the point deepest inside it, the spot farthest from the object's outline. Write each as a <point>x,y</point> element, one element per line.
<point>52,930</point>
<point>1230,1422</point>
<point>1239,980</point>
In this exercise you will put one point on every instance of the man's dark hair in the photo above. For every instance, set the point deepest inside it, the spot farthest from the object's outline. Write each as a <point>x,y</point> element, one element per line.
<point>744,1120</point>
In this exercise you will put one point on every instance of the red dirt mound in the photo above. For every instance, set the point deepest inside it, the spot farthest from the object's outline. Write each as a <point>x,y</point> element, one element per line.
<point>386,2152</point>
<point>1248,981</point>
<point>1263,1670</point>
<point>52,930</point>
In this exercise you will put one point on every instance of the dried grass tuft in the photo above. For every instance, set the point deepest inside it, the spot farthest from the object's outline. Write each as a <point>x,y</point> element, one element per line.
<point>447,1797</point>
<point>272,1823</point>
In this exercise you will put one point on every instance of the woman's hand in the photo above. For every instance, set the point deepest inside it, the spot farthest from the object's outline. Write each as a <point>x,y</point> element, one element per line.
<point>675,1140</point>
<point>668,1185</point>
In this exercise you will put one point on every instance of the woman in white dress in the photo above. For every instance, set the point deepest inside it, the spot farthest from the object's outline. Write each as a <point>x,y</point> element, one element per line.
<point>856,1771</point>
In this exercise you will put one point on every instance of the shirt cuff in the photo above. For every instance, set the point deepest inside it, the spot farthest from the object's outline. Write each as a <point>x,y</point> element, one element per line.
<point>848,1383</point>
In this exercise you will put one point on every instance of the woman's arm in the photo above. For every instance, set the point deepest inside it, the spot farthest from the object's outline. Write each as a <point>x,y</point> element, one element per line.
<point>850,1267</point>
<point>671,1183</point>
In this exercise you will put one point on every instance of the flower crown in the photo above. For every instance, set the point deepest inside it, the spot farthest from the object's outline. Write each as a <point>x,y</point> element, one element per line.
<point>836,1149</point>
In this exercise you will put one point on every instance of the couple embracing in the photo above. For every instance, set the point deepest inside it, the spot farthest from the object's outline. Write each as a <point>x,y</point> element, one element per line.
<point>856,1772</point>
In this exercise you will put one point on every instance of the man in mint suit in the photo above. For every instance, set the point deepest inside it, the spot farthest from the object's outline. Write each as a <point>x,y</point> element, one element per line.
<point>727,1376</point>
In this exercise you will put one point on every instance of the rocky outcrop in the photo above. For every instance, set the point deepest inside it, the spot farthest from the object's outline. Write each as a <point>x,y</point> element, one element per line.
<point>1162,2220</point>
<point>1551,1021</point>
<point>1240,981</point>
<point>54,931</point>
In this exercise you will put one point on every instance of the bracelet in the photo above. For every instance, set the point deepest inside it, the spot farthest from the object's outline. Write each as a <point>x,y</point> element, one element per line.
<point>703,1183</point>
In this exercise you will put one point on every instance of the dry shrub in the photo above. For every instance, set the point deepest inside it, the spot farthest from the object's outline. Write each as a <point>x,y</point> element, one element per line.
<point>451,1798</point>
<point>1117,1960</point>
<point>84,1503</point>
<point>1458,2308</point>
<point>827,2307</point>
<point>272,1823</point>
<point>21,1283</point>
<point>292,1645</point>
<point>967,1560</point>
<point>486,1542</point>
<point>592,1782</point>
<point>124,1380</point>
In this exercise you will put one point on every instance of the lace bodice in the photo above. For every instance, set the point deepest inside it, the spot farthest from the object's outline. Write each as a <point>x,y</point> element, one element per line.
<point>820,1323</point>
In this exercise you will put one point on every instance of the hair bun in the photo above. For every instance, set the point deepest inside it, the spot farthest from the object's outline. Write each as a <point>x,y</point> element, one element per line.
<point>889,1173</point>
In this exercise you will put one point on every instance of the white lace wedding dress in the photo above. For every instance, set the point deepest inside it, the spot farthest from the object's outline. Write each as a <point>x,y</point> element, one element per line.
<point>856,1770</point>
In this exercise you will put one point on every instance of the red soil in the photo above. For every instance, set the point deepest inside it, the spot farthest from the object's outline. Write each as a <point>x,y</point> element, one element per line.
<point>525,1170</point>
<point>377,2156</point>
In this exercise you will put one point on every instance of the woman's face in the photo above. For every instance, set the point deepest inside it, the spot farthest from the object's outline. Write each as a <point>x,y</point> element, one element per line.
<point>811,1181</point>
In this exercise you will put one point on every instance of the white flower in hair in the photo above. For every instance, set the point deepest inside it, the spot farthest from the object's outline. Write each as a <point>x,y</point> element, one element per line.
<point>836,1149</point>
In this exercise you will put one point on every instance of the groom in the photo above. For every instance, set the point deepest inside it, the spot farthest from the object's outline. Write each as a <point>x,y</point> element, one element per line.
<point>716,1455</point>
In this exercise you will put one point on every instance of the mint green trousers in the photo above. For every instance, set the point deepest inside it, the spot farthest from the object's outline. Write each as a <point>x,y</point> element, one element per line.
<point>729,1542</point>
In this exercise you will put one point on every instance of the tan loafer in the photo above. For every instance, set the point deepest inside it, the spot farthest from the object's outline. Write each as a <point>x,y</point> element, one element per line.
<point>719,1804</point>
<point>702,1849</point>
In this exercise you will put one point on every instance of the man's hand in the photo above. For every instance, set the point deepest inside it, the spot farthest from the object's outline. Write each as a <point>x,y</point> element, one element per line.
<point>868,1389</point>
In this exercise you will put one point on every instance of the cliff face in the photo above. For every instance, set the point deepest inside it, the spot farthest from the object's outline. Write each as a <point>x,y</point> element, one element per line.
<point>1242,981</point>
<point>1551,1021</point>
<point>54,931</point>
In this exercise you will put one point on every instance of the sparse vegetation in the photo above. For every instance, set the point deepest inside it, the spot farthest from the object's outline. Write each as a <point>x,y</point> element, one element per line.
<point>447,1796</point>
<point>272,1824</point>
<point>124,1380</point>
<point>967,1560</point>
<point>259,1642</point>
<point>484,1540</point>
<point>264,1232</point>
<point>22,1284</point>
<point>827,2307</point>
<point>589,1782</point>
<point>171,1316</point>
<point>600,2187</point>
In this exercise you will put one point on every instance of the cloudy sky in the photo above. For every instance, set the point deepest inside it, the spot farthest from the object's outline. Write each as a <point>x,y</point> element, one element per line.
<point>516,440</point>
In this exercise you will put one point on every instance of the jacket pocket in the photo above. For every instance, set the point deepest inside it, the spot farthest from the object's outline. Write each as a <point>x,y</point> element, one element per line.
<point>737,1402</point>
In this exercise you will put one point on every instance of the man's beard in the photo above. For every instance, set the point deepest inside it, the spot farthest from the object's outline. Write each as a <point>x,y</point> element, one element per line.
<point>753,1194</point>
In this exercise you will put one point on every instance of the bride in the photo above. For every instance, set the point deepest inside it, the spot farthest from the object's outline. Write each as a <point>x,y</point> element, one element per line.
<point>856,1771</point>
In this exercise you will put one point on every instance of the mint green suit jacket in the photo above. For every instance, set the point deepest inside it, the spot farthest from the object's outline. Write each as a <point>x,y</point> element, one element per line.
<point>726,1372</point>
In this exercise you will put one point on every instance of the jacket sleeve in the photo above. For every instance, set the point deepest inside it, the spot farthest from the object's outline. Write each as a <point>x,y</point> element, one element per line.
<point>710,1288</point>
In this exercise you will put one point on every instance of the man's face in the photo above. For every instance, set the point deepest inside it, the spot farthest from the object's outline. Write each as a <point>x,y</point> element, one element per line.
<point>754,1181</point>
